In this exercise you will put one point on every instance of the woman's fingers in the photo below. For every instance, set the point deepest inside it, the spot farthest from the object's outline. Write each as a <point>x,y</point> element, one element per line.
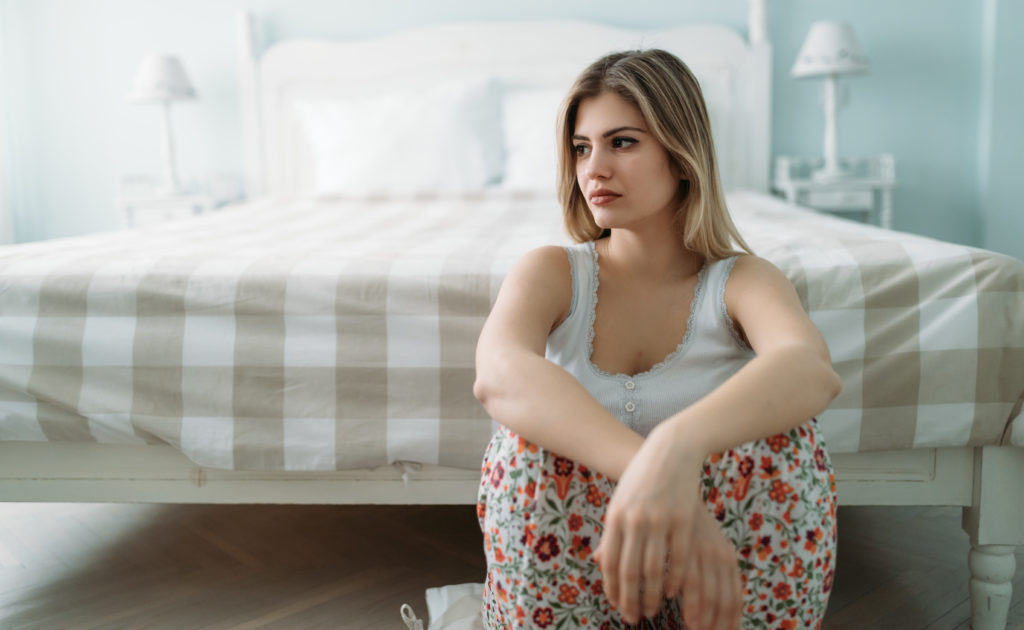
<point>676,563</point>
<point>653,573</point>
<point>609,548</point>
<point>630,573</point>
<point>691,592</point>
<point>711,594</point>
<point>733,613</point>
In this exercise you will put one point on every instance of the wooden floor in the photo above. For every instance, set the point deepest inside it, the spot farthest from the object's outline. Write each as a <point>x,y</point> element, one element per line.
<point>351,567</point>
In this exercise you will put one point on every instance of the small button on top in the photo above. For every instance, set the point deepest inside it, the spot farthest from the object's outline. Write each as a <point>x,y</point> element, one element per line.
<point>630,406</point>
<point>630,384</point>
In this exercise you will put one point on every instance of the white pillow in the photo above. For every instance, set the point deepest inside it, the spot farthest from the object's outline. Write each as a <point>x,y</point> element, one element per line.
<point>531,156</point>
<point>446,138</point>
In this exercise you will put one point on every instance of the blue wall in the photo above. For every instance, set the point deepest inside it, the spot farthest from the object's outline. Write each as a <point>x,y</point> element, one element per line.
<point>71,135</point>
<point>1001,156</point>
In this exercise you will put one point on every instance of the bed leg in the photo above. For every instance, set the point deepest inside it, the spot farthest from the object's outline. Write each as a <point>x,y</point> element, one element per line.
<point>992,570</point>
<point>993,523</point>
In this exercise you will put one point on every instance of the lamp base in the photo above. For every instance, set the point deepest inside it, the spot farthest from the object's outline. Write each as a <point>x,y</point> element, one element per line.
<point>825,176</point>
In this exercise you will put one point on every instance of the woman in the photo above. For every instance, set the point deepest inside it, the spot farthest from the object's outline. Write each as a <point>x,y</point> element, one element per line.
<point>637,478</point>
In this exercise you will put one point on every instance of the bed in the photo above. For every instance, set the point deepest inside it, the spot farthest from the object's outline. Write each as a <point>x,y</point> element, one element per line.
<point>315,344</point>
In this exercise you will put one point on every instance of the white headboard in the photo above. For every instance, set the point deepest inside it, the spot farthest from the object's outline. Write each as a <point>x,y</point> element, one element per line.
<point>735,76</point>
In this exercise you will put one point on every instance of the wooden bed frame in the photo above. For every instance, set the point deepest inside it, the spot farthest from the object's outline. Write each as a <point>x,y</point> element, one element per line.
<point>982,480</point>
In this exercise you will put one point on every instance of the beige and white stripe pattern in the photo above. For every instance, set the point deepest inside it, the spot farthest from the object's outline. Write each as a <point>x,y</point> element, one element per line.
<point>322,336</point>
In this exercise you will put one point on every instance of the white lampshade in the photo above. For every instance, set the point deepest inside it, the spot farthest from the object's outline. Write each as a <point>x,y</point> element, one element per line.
<point>830,48</point>
<point>161,78</point>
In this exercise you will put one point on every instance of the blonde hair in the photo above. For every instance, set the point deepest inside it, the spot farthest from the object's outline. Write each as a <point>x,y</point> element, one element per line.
<point>668,97</point>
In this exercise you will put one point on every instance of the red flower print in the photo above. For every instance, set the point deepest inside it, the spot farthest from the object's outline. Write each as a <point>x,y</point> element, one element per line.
<point>742,485</point>
<point>756,521</point>
<point>575,522</point>
<point>597,588</point>
<point>563,476</point>
<point>780,491</point>
<point>720,512</point>
<point>524,445</point>
<point>798,569</point>
<point>606,626</point>
<point>580,547</point>
<point>567,594</point>
<point>778,442</point>
<point>713,496</point>
<point>481,510</point>
<point>827,584</point>
<point>543,617</point>
<point>595,497</point>
<point>788,624</point>
<point>529,533</point>
<point>547,547</point>
<point>769,470</point>
<point>812,539</point>
<point>764,547</point>
<point>782,590</point>
<point>498,555</point>
<point>584,472</point>
<point>531,489</point>
<point>497,474</point>
<point>819,458</point>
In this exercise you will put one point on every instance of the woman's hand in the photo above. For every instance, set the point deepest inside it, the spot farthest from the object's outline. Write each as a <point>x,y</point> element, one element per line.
<point>651,515</point>
<point>712,590</point>
<point>656,512</point>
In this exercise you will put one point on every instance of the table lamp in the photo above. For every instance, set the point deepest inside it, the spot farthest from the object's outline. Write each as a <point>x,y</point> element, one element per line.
<point>162,79</point>
<point>830,49</point>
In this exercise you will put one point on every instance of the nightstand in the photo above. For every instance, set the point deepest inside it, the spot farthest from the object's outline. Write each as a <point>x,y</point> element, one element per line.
<point>141,204</point>
<point>867,191</point>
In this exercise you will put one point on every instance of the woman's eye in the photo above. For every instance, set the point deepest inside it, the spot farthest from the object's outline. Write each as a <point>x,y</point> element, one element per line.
<point>581,149</point>
<point>623,143</point>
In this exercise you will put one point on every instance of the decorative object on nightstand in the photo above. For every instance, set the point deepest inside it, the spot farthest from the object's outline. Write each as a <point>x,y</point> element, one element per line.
<point>143,203</point>
<point>866,189</point>
<point>831,49</point>
<point>162,79</point>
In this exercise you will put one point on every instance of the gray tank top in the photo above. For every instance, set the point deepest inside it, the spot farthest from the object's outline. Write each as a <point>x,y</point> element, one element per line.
<point>711,350</point>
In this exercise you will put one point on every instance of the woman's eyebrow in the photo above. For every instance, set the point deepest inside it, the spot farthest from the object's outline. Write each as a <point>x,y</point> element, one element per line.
<point>610,132</point>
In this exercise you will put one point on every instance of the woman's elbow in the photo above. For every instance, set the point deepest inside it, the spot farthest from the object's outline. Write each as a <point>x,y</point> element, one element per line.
<point>833,385</point>
<point>489,377</point>
<point>481,389</point>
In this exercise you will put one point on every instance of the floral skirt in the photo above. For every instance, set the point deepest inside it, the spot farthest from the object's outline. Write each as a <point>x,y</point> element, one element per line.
<point>542,517</point>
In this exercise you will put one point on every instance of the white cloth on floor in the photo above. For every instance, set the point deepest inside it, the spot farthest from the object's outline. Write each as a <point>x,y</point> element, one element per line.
<point>452,607</point>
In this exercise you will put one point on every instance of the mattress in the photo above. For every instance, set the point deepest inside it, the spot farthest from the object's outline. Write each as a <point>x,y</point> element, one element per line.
<point>335,335</point>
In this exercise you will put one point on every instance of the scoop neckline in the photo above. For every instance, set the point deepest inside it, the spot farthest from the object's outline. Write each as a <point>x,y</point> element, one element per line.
<point>698,295</point>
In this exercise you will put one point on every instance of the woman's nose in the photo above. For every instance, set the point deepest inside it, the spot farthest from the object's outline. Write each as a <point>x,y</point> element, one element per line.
<point>598,165</point>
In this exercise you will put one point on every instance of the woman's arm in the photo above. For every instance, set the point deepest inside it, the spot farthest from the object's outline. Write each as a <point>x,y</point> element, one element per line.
<point>789,381</point>
<point>533,397</point>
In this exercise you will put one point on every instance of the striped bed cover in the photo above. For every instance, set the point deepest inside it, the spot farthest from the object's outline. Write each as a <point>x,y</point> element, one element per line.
<point>341,335</point>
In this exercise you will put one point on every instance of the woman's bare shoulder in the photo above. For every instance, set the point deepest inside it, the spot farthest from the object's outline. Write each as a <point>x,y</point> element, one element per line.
<point>541,281</point>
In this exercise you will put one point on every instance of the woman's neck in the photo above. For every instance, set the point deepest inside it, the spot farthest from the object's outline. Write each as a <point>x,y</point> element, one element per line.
<point>657,253</point>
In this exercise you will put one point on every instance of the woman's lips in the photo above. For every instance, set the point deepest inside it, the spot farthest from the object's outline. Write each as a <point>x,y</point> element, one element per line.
<point>601,199</point>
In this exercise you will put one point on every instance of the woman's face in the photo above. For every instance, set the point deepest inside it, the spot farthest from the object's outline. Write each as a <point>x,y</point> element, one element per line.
<point>624,173</point>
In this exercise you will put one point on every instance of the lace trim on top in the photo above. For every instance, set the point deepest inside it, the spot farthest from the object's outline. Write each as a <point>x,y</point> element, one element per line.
<point>723,311</point>
<point>698,295</point>
<point>575,298</point>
